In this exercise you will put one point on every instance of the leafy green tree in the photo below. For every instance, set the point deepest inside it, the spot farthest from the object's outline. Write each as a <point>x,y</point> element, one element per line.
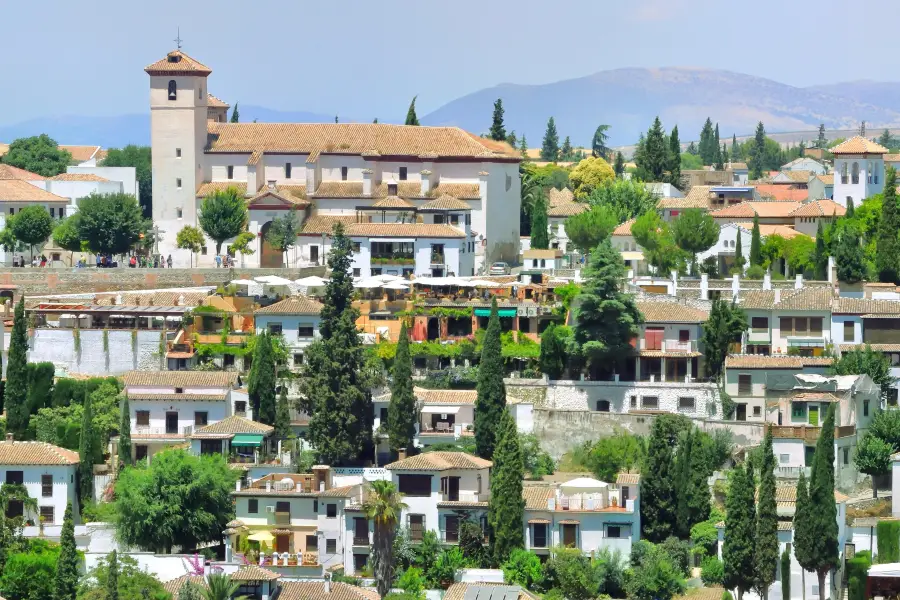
<point>243,244</point>
<point>609,456</point>
<point>261,382</point>
<point>537,462</point>
<point>498,131</point>
<point>190,238</point>
<point>588,175</point>
<point>403,413</point>
<point>176,500</point>
<point>540,230</point>
<point>823,549</point>
<point>223,215</point>
<point>849,257</point>
<point>656,238</point>
<point>491,401</point>
<point>619,166</point>
<point>758,155</point>
<point>887,258</point>
<point>626,199</point>
<point>335,387</point>
<point>411,118</point>
<point>566,152</point>
<point>695,231</point>
<point>507,507</point>
<point>109,223</point>
<point>599,149</point>
<point>550,144</point>
<point>568,570</point>
<point>756,244</point>
<point>235,114</point>
<point>65,584</point>
<point>712,571</point>
<point>40,385</point>
<point>282,233</point>
<point>282,422</point>
<point>523,568</point>
<point>724,327</point>
<point>888,533</point>
<point>383,505</point>
<point>133,582</point>
<point>139,158</point>
<point>15,392</point>
<point>89,452</point>
<point>65,235</point>
<point>32,225</point>
<point>766,552</point>
<point>656,578</point>
<point>607,319</point>
<point>873,457</point>
<point>886,426</point>
<point>125,433</point>
<point>674,163</point>
<point>30,575</point>
<point>553,353</point>
<point>587,229</point>
<point>659,500</point>
<point>740,531</point>
<point>39,154</point>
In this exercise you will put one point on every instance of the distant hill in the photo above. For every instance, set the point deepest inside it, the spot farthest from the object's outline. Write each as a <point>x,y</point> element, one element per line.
<point>629,99</point>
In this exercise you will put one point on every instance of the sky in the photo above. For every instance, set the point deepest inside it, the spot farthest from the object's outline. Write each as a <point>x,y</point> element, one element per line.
<point>364,59</point>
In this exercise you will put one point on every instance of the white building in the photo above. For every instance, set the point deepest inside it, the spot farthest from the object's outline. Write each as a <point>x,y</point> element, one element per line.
<point>296,319</point>
<point>858,170</point>
<point>325,168</point>
<point>805,163</point>
<point>48,474</point>
<point>542,260</point>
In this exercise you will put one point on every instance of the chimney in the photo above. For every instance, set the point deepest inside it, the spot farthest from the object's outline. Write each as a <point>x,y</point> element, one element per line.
<point>327,583</point>
<point>798,282</point>
<point>482,184</point>
<point>9,437</point>
<point>270,184</point>
<point>426,182</point>
<point>767,280</point>
<point>401,454</point>
<point>268,485</point>
<point>299,486</point>
<point>735,286</point>
<point>237,485</point>
<point>704,286</point>
<point>777,295</point>
<point>831,278</point>
<point>674,282</point>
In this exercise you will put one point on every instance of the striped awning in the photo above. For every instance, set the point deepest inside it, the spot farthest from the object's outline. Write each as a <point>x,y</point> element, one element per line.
<point>538,521</point>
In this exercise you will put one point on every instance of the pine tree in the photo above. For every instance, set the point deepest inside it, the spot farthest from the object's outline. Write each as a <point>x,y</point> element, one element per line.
<point>403,411</point>
<point>498,131</point>
<point>735,149</point>
<point>599,149</point>
<point>87,452</point>
<point>553,353</point>
<point>707,149</point>
<point>692,149</point>
<point>887,258</point>
<point>261,384</point>
<point>112,582</point>
<point>823,556</point>
<point>758,152</point>
<point>411,118</point>
<point>512,139</point>
<point>820,258</point>
<point>540,230</point>
<point>721,157</point>
<point>283,417</point>
<point>565,153</point>
<point>507,506</point>
<point>674,165</point>
<point>654,157</point>
<point>491,399</point>
<point>15,394</point>
<point>523,147</point>
<point>619,166</point>
<point>659,501</point>
<point>766,555</point>
<point>739,259</point>
<point>755,244</point>
<point>550,145</point>
<point>125,459</point>
<point>740,525</point>
<point>65,584</point>
<point>235,114</point>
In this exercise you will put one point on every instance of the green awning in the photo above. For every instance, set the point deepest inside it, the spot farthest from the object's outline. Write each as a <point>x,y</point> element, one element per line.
<point>503,312</point>
<point>247,439</point>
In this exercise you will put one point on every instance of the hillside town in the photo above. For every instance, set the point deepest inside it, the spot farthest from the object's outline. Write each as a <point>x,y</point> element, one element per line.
<point>366,361</point>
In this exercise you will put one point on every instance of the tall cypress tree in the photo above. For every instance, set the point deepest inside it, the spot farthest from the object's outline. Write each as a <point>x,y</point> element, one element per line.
<point>786,574</point>
<point>125,459</point>
<point>697,487</point>
<point>540,230</point>
<point>735,150</point>
<point>411,118</point>
<point>87,452</point>
<point>15,394</point>
<point>823,556</point>
<point>766,521</point>
<point>739,259</point>
<point>283,416</point>
<point>261,386</point>
<point>820,258</point>
<point>659,495</point>
<point>683,477</point>
<point>718,145</point>
<point>507,506</point>
<point>491,399</point>
<point>755,243</point>
<point>403,413</point>
<point>550,145</point>
<point>498,131</point>
<point>850,257</point>
<point>553,353</point>
<point>674,166</point>
<point>757,152</point>
<point>619,166</point>
<point>65,583</point>
<point>887,259</point>
<point>566,151</point>
<point>706,148</point>
<point>235,114</point>
<point>804,538</point>
<point>654,158</point>
<point>112,582</point>
<point>740,530</point>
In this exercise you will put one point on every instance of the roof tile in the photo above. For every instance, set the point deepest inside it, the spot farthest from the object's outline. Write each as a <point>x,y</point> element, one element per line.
<point>670,312</point>
<point>177,61</point>
<point>180,378</point>
<point>295,305</point>
<point>35,453</point>
<point>233,425</point>
<point>11,172</point>
<point>18,190</point>
<point>440,461</point>
<point>858,145</point>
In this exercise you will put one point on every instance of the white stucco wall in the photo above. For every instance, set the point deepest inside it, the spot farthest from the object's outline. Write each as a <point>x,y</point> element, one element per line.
<point>58,346</point>
<point>583,395</point>
<point>63,487</point>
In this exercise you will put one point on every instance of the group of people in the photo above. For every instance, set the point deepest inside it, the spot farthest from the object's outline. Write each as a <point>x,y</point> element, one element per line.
<point>36,261</point>
<point>157,261</point>
<point>226,261</point>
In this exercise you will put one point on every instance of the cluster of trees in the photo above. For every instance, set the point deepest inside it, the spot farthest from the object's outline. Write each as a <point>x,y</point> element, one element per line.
<point>552,151</point>
<point>223,216</point>
<point>658,155</point>
<point>882,438</point>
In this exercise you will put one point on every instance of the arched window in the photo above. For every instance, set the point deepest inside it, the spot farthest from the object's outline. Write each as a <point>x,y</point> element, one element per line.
<point>854,173</point>
<point>173,90</point>
<point>844,173</point>
<point>869,172</point>
<point>875,174</point>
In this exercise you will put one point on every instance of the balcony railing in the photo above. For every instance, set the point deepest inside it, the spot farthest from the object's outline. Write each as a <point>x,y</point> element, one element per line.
<point>282,518</point>
<point>437,260</point>
<point>359,540</point>
<point>467,497</point>
<point>393,259</point>
<point>791,472</point>
<point>150,430</point>
<point>667,345</point>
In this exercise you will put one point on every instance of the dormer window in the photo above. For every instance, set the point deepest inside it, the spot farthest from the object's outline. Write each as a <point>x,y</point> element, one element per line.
<point>343,173</point>
<point>392,189</point>
<point>174,58</point>
<point>179,390</point>
<point>173,90</point>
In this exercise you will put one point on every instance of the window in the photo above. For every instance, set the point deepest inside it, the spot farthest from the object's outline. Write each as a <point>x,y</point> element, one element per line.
<point>253,506</point>
<point>402,173</point>
<point>305,331</point>
<point>757,411</point>
<point>414,485</point>
<point>613,531</point>
<point>815,589</point>
<point>47,515</point>
<point>854,173</point>
<point>140,452</point>
<point>539,535</point>
<point>392,189</point>
<point>316,506</point>
<point>331,546</point>
<point>745,385</point>
<point>416,527</point>
<point>865,408</point>
<point>46,486</point>
<point>12,211</point>
<point>382,414</point>
<point>632,402</point>
<point>451,529</point>
<point>287,170</point>
<point>143,417</point>
<point>177,152</point>
<point>173,90</point>
<point>846,456</point>
<point>343,173</point>
<point>179,390</point>
<point>356,272</point>
<point>869,171</point>
<point>178,183</point>
<point>849,331</point>
<point>798,411</point>
<point>179,213</point>
<point>686,403</point>
<point>312,542</point>
<point>230,170</point>
<point>15,508</point>
<point>603,405</point>
<point>201,418</point>
<point>275,328</point>
<point>815,325</point>
<point>203,250</point>
<point>298,360</point>
<point>684,335</point>
<point>784,458</point>
<point>52,212</point>
<point>844,173</point>
<point>650,402</point>
<point>331,511</point>
<point>759,324</point>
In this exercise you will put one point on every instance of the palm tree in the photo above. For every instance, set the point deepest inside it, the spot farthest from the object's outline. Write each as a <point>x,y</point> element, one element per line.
<point>383,504</point>
<point>220,587</point>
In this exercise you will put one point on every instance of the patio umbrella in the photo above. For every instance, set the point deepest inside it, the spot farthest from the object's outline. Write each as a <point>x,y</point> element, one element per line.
<point>312,281</point>
<point>396,285</point>
<point>424,281</point>
<point>488,284</point>
<point>262,536</point>
<point>388,278</point>
<point>243,282</point>
<point>368,284</point>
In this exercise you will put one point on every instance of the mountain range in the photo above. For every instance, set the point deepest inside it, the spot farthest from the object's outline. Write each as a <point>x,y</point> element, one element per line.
<point>627,99</point>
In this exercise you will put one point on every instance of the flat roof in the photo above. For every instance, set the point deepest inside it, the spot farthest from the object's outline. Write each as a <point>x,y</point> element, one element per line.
<point>125,310</point>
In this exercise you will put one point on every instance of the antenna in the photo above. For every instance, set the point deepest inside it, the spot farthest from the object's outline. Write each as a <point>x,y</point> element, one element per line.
<point>178,39</point>
<point>862,129</point>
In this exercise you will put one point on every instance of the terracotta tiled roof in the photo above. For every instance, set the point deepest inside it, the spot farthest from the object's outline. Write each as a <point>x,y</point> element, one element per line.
<point>174,586</point>
<point>282,194</point>
<point>467,191</point>
<point>702,593</point>
<point>700,201</point>
<point>818,299</point>
<point>628,479</point>
<point>567,209</point>
<point>35,453</point>
<point>254,573</point>
<point>18,190</point>
<point>344,491</point>
<point>159,298</point>
<point>829,179</point>
<point>354,139</point>
<point>875,347</point>
<point>788,494</point>
<point>315,590</point>
<point>295,305</point>
<point>440,461</point>
<point>319,224</point>
<point>780,192</point>
<point>563,196</point>
<point>405,189</point>
<point>539,253</point>
<point>11,172</point>
<point>445,202</point>
<point>863,306</point>
<point>78,177</point>
<point>815,397</point>
<point>215,102</point>
<point>757,361</point>
<point>208,187</point>
<point>323,224</point>
<point>765,230</point>
<point>83,153</point>
<point>624,228</point>
<point>858,145</point>
<point>738,166</point>
<point>671,312</point>
<point>177,61</point>
<point>339,189</point>
<point>819,208</point>
<point>185,397</point>
<point>798,176</point>
<point>180,378</point>
<point>762,209</point>
<point>445,396</point>
<point>393,202</point>
<point>232,425</point>
<point>536,496</point>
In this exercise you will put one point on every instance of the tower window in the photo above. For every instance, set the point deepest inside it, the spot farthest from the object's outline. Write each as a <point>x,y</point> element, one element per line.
<point>287,170</point>
<point>178,212</point>
<point>230,172</point>
<point>343,173</point>
<point>402,173</point>
<point>854,173</point>
<point>177,152</point>
<point>178,183</point>
<point>173,90</point>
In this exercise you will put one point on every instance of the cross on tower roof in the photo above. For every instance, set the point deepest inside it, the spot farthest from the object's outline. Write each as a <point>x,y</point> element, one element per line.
<point>178,39</point>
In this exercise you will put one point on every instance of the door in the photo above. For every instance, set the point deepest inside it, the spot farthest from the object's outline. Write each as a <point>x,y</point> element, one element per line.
<point>360,532</point>
<point>453,489</point>
<point>570,535</point>
<point>814,415</point>
<point>271,257</point>
<point>314,254</point>
<point>741,412</point>
<point>171,422</point>
<point>452,531</point>
<point>282,542</point>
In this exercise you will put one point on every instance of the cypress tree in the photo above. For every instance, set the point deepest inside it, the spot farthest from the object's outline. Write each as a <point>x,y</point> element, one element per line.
<point>87,452</point>
<point>261,386</point>
<point>403,413</point>
<point>15,394</point>
<point>565,152</point>
<point>735,150</point>
<point>658,496</point>
<point>683,476</point>
<point>411,118</point>
<point>507,506</point>
<point>755,244</point>
<point>125,459</point>
<point>283,417</point>
<point>849,256</point>
<point>540,230</point>
<point>550,145</point>
<point>698,488</point>
<point>619,166</point>
<point>739,259</point>
<point>112,583</point>
<point>850,209</point>
<point>718,142</point>
<point>491,399</point>
<point>706,148</point>
<point>523,146</point>
<point>65,584</point>
<point>674,166</point>
<point>803,537</point>
<point>786,574</point>
<point>821,255</point>
<point>823,555</point>
<point>498,131</point>
<point>757,152</point>
<point>235,114</point>
<point>553,353</point>
<point>740,524</point>
<point>766,521</point>
<point>654,159</point>
<point>887,258</point>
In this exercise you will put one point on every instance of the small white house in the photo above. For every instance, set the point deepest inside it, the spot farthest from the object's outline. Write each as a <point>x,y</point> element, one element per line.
<point>805,163</point>
<point>296,319</point>
<point>542,260</point>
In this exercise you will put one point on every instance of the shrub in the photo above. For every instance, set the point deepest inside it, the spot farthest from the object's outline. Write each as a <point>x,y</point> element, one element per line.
<point>726,595</point>
<point>888,541</point>
<point>523,568</point>
<point>712,571</point>
<point>755,272</point>
<point>679,551</point>
<point>857,569</point>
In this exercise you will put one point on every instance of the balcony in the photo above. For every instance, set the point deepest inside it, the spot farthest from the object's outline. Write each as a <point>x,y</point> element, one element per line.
<point>452,536</point>
<point>667,346</point>
<point>758,336</point>
<point>359,540</point>
<point>470,497</point>
<point>282,518</point>
<point>394,258</point>
<point>150,430</point>
<point>590,502</point>
<point>437,259</point>
<point>791,472</point>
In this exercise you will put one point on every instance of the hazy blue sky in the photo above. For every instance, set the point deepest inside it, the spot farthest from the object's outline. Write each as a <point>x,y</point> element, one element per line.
<point>368,58</point>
